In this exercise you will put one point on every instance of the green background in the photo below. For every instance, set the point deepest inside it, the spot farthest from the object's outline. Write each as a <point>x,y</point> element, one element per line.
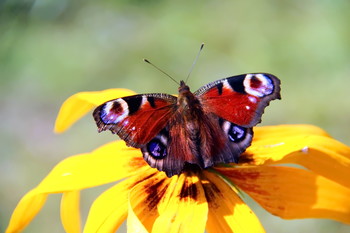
<point>51,49</point>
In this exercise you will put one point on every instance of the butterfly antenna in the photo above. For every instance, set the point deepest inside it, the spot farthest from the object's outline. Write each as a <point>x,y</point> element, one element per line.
<point>145,60</point>
<point>195,61</point>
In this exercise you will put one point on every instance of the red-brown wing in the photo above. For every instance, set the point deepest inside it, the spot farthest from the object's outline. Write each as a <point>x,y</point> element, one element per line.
<point>136,119</point>
<point>240,99</point>
<point>183,143</point>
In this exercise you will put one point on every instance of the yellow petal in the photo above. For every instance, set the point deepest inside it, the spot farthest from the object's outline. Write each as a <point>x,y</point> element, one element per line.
<point>25,211</point>
<point>133,222</point>
<point>109,163</point>
<point>109,210</point>
<point>80,103</point>
<point>321,154</point>
<point>144,199</point>
<point>70,212</point>
<point>106,164</point>
<point>227,212</point>
<point>281,131</point>
<point>292,193</point>
<point>185,208</point>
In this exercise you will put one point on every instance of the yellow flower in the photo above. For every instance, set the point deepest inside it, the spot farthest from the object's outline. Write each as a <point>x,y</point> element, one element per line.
<point>196,200</point>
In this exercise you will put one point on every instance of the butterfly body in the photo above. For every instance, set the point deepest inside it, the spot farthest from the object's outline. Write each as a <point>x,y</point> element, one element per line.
<point>212,125</point>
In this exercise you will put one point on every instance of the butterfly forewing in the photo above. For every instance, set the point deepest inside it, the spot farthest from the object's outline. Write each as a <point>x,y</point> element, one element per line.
<point>136,119</point>
<point>240,99</point>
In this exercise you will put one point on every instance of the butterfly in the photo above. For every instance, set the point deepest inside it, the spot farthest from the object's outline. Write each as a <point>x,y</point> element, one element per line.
<point>210,126</point>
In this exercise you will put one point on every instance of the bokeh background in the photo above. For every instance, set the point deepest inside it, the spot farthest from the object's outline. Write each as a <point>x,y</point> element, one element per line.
<point>51,49</point>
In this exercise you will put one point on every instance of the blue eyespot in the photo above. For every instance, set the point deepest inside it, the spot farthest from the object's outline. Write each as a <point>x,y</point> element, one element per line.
<point>236,133</point>
<point>156,149</point>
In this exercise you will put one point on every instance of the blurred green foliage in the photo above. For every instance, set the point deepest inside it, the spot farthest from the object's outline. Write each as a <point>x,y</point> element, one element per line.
<point>51,49</point>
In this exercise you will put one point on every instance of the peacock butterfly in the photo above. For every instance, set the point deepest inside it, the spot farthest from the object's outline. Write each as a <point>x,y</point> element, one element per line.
<point>212,125</point>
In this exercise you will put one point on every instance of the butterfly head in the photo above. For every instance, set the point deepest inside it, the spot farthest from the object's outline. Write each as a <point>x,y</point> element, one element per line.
<point>183,87</point>
<point>186,99</point>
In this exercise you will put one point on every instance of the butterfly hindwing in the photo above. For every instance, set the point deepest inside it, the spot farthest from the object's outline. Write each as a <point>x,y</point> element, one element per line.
<point>184,142</point>
<point>240,99</point>
<point>238,138</point>
<point>220,142</point>
<point>136,119</point>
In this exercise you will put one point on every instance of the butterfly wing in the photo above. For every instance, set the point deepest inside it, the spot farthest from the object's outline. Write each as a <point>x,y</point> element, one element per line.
<point>184,142</point>
<point>136,119</point>
<point>217,141</point>
<point>213,126</point>
<point>240,99</point>
<point>236,138</point>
